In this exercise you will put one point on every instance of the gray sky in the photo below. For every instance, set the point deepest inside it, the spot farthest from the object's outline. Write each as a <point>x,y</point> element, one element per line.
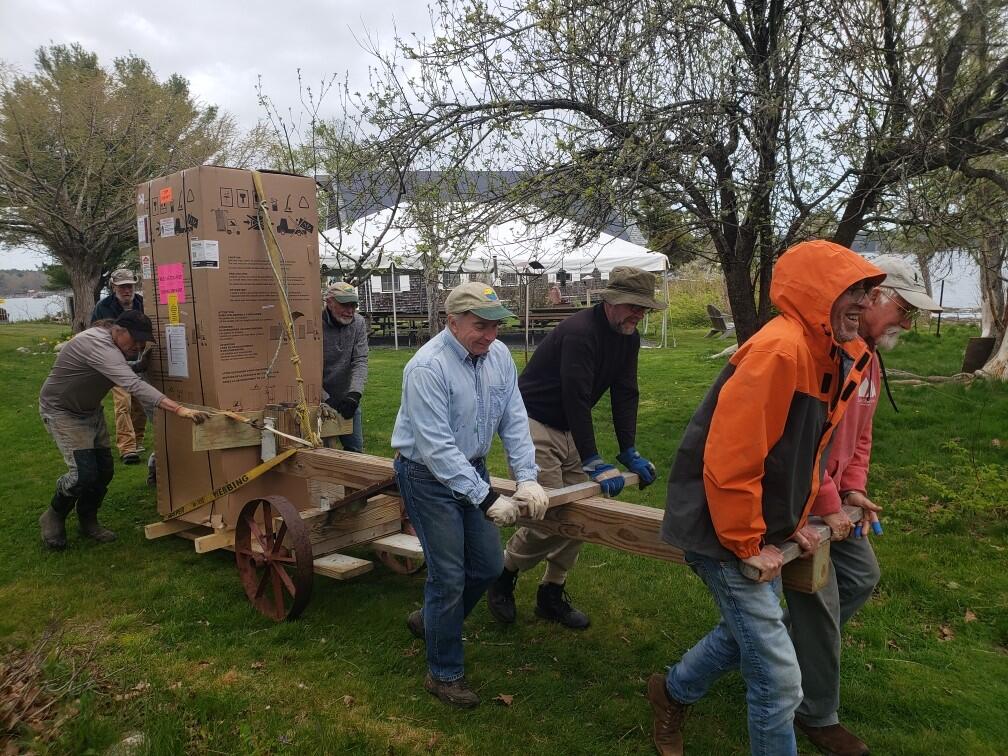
<point>220,46</point>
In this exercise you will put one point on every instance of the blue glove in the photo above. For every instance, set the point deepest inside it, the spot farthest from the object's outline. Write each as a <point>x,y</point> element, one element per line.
<point>610,480</point>
<point>635,463</point>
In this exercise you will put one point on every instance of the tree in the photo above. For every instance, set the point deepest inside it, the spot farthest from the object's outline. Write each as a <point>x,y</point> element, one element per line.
<point>753,119</point>
<point>75,140</point>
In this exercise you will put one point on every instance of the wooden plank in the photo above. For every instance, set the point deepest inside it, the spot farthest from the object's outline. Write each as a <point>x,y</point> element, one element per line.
<point>401,544</point>
<point>160,529</point>
<point>344,540</point>
<point>341,566</point>
<point>222,432</point>
<point>578,491</point>
<point>382,510</point>
<point>221,540</point>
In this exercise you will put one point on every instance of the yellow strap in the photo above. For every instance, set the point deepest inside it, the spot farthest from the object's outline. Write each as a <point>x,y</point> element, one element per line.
<point>273,248</point>
<point>231,486</point>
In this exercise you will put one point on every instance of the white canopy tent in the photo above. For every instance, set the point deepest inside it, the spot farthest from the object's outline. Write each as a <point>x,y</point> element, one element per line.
<point>508,247</point>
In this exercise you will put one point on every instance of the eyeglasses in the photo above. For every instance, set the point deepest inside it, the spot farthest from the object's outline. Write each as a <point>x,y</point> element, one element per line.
<point>858,291</point>
<point>909,311</point>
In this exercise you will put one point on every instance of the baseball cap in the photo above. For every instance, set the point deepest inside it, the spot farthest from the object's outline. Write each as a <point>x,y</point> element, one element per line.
<point>138,325</point>
<point>341,291</point>
<point>906,281</point>
<point>123,276</point>
<point>477,298</point>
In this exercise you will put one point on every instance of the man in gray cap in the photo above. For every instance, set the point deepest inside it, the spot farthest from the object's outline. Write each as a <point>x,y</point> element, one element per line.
<point>459,389</point>
<point>344,360</point>
<point>816,619</point>
<point>86,368</point>
<point>130,418</point>
<point>586,355</point>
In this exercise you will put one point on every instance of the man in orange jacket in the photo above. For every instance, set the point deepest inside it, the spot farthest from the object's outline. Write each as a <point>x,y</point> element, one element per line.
<point>743,481</point>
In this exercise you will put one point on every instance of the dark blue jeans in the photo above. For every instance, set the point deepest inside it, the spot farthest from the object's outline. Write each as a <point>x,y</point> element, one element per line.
<point>752,638</point>
<point>464,556</point>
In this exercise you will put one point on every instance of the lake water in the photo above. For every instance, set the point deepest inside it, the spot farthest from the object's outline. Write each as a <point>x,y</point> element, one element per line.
<point>30,308</point>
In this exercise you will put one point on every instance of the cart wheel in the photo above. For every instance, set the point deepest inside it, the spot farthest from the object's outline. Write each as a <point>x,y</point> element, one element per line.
<point>402,565</point>
<point>276,568</point>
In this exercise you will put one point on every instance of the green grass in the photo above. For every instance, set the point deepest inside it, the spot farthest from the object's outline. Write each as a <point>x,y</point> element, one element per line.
<point>180,655</point>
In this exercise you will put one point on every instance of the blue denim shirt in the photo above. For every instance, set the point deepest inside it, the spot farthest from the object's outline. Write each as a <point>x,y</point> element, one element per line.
<point>451,409</point>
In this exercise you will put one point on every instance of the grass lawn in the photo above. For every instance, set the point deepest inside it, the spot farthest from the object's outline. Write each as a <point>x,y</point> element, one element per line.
<point>152,638</point>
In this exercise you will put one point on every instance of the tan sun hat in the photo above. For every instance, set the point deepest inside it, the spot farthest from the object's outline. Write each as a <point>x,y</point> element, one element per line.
<point>341,291</point>
<point>632,286</point>
<point>477,298</point>
<point>902,278</point>
<point>122,276</point>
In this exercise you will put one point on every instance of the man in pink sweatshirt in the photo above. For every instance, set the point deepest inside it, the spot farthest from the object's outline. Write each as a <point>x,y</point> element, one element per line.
<point>816,618</point>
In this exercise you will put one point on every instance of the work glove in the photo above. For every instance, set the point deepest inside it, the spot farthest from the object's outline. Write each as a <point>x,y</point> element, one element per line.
<point>197,416</point>
<point>504,511</point>
<point>635,463</point>
<point>326,412</point>
<point>532,498</point>
<point>348,405</point>
<point>610,480</point>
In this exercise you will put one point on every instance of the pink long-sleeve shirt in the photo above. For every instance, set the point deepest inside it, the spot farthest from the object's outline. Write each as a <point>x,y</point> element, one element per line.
<point>850,452</point>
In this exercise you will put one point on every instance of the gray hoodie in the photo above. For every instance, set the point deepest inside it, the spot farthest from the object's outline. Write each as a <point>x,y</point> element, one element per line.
<point>344,356</point>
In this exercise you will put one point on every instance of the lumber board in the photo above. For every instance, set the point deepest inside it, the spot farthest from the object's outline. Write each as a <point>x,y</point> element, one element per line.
<point>219,540</point>
<point>161,529</point>
<point>222,432</point>
<point>380,511</point>
<point>344,540</point>
<point>578,491</point>
<point>400,544</point>
<point>341,566</point>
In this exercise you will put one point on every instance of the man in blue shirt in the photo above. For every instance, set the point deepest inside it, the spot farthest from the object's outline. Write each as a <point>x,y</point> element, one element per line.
<point>459,389</point>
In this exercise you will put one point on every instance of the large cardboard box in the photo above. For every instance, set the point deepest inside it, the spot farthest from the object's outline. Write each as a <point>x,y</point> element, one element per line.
<point>212,295</point>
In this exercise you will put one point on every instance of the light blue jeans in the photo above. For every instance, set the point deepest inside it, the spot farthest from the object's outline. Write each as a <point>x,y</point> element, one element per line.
<point>751,637</point>
<point>464,556</point>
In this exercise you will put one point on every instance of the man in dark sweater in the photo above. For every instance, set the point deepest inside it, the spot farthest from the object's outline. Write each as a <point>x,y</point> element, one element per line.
<point>130,418</point>
<point>586,355</point>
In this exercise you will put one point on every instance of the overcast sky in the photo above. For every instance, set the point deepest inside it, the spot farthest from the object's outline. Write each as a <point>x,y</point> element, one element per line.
<point>220,46</point>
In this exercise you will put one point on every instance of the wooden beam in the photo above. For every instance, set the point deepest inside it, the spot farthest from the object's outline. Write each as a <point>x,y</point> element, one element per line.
<point>222,540</point>
<point>342,541</point>
<point>341,566</point>
<point>578,491</point>
<point>401,544</point>
<point>160,529</point>
<point>222,432</point>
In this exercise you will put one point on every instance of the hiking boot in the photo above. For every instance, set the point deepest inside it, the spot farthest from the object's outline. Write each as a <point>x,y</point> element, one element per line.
<point>500,597</point>
<point>53,526</point>
<point>130,458</point>
<point>833,740</point>
<point>553,603</point>
<point>456,693</point>
<point>669,716</point>
<point>415,624</point>
<point>90,527</point>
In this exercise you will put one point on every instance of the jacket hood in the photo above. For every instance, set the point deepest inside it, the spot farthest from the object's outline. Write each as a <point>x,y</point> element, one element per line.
<point>809,277</point>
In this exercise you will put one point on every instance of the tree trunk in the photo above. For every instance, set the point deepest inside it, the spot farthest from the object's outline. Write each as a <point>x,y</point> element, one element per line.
<point>84,281</point>
<point>997,365</point>
<point>740,298</point>
<point>990,258</point>
<point>431,295</point>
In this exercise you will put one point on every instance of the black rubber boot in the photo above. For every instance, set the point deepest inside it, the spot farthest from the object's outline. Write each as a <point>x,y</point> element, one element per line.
<point>500,597</point>
<point>53,521</point>
<point>87,516</point>
<point>553,603</point>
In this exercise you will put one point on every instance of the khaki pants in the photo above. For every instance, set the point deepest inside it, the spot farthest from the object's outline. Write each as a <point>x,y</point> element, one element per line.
<point>130,421</point>
<point>559,466</point>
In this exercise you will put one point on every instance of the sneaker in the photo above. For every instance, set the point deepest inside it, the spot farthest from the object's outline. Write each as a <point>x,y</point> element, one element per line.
<point>130,458</point>
<point>500,597</point>
<point>456,693</point>
<point>415,624</point>
<point>668,717</point>
<point>553,603</point>
<point>833,740</point>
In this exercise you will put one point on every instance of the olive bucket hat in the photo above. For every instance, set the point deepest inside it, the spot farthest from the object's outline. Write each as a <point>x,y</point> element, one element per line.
<point>632,286</point>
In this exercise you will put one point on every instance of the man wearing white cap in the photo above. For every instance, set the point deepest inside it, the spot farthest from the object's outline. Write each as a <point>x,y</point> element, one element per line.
<point>459,389</point>
<point>817,618</point>
<point>344,360</point>
<point>130,418</point>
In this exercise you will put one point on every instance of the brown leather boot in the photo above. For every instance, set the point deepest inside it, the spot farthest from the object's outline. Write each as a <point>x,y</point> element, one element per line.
<point>456,693</point>
<point>834,740</point>
<point>669,716</point>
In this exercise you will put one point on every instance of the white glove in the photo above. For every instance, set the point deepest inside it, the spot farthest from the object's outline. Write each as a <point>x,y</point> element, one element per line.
<point>533,498</point>
<point>503,512</point>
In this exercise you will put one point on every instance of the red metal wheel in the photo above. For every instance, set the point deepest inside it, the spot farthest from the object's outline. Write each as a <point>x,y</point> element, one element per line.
<point>402,565</point>
<point>275,565</point>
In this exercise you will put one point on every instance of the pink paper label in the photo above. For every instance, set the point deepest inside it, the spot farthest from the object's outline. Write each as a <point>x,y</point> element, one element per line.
<point>170,281</point>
